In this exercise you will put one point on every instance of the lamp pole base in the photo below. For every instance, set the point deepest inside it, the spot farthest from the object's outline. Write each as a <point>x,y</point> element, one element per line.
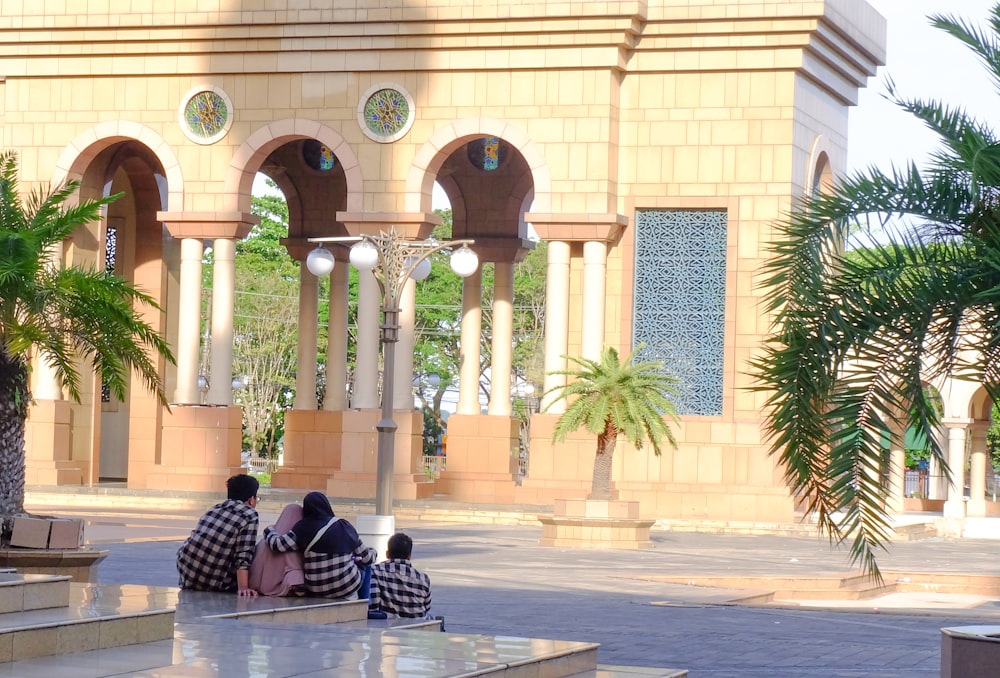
<point>375,531</point>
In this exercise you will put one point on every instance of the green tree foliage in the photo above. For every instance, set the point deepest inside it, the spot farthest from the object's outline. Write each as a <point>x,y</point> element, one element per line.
<point>612,398</point>
<point>856,337</point>
<point>63,314</point>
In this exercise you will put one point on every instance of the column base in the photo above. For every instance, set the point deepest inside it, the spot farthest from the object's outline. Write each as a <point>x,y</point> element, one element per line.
<point>200,450</point>
<point>48,445</point>
<point>482,458</point>
<point>313,440</point>
<point>358,471</point>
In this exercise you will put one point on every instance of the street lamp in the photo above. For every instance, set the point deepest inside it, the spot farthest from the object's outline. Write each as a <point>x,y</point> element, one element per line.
<point>392,259</point>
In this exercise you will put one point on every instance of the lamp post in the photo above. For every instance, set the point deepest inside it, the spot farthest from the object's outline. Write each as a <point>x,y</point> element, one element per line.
<point>392,260</point>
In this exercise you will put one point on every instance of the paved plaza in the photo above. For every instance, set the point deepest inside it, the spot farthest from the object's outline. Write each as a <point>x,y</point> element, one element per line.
<point>497,580</point>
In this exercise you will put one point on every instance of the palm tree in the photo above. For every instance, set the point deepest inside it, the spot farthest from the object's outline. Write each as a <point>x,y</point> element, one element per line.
<point>60,314</point>
<point>857,335</point>
<point>611,398</point>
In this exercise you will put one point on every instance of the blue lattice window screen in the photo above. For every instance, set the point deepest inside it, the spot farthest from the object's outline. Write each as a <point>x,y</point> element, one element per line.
<point>680,301</point>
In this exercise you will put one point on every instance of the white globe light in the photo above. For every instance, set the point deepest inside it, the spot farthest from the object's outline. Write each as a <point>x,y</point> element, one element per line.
<point>320,262</point>
<point>364,255</point>
<point>422,270</point>
<point>464,261</point>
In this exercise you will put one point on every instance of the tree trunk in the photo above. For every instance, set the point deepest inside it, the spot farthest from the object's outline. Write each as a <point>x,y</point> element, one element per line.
<point>600,485</point>
<point>14,399</point>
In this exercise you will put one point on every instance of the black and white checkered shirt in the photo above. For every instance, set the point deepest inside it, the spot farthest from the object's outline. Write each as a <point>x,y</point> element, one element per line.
<point>332,575</point>
<point>400,589</point>
<point>223,542</point>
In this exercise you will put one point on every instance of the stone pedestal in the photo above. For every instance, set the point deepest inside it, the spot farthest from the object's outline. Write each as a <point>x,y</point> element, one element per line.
<point>358,470</point>
<point>591,523</point>
<point>48,445</point>
<point>482,458</point>
<point>313,440</point>
<point>80,564</point>
<point>200,450</point>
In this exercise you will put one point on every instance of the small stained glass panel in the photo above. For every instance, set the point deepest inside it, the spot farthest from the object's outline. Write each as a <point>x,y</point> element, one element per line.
<point>386,112</point>
<point>318,156</point>
<point>680,301</point>
<point>206,114</point>
<point>487,154</point>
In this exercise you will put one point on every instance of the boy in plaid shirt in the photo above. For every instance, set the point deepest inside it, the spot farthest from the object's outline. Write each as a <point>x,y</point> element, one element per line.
<point>217,555</point>
<point>397,587</point>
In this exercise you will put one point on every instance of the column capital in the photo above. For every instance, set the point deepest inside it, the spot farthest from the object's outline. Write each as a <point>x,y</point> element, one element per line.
<point>208,225</point>
<point>957,422</point>
<point>299,249</point>
<point>411,225</point>
<point>578,227</point>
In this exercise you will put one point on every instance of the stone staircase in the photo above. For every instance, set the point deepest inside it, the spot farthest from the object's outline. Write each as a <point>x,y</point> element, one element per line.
<point>49,623</point>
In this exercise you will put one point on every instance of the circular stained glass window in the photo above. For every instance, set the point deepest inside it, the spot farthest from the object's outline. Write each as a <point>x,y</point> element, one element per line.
<point>487,153</point>
<point>206,115</point>
<point>318,156</point>
<point>385,113</point>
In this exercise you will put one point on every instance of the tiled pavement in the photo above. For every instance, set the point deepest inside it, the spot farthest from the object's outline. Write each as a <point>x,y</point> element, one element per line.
<point>497,580</point>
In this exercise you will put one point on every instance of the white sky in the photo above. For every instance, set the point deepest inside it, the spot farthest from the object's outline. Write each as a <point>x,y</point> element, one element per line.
<point>925,63</point>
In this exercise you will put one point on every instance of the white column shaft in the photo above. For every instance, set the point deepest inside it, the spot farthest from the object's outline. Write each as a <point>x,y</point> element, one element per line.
<point>556,322</point>
<point>366,366</point>
<point>305,365</point>
<point>977,473</point>
<point>503,335</point>
<point>595,274</point>
<point>47,385</point>
<point>402,398</point>
<point>954,506</point>
<point>472,324</point>
<point>336,345</point>
<point>189,323</point>
<point>223,296</point>
<point>897,471</point>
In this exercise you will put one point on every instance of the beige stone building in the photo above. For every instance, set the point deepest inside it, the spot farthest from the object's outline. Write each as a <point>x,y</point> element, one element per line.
<point>652,143</point>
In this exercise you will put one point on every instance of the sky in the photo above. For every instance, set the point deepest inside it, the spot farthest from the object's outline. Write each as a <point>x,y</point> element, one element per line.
<point>925,63</point>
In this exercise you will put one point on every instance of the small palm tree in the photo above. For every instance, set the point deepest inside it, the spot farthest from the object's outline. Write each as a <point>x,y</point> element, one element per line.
<point>857,335</point>
<point>611,398</point>
<point>61,314</point>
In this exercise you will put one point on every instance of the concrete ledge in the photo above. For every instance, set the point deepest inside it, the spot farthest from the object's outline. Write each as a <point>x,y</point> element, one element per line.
<point>970,651</point>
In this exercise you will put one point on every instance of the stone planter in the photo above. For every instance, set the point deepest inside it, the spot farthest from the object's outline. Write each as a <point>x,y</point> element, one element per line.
<point>80,564</point>
<point>970,651</point>
<point>591,523</point>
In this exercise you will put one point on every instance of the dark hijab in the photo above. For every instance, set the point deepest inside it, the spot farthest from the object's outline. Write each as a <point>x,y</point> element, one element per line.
<point>316,506</point>
<point>341,538</point>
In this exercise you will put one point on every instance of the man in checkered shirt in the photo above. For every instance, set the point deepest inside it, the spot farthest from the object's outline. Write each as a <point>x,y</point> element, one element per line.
<point>217,555</point>
<point>398,588</point>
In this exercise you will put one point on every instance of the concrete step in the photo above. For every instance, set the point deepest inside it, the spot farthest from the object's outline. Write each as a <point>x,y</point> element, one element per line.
<point>915,532</point>
<point>605,671</point>
<point>95,618</point>
<point>20,592</point>
<point>196,605</point>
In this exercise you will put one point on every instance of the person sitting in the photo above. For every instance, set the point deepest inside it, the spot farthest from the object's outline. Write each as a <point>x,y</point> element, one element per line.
<point>398,588</point>
<point>335,562</point>
<point>217,555</point>
<point>279,574</point>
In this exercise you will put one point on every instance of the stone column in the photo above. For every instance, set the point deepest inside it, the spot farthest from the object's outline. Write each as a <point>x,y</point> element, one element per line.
<point>595,274</point>
<point>220,390</point>
<point>978,464</point>
<point>47,385</point>
<point>556,322</point>
<point>472,322</point>
<point>189,323</point>
<point>954,506</point>
<point>305,369</point>
<point>503,334</point>
<point>366,367</point>
<point>897,473</point>
<point>336,345</point>
<point>402,399</point>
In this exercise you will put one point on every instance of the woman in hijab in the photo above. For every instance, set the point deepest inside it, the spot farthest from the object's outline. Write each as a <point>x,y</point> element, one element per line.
<point>335,562</point>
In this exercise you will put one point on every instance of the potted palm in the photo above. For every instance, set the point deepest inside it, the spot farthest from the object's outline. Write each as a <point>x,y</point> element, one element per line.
<point>610,398</point>
<point>58,315</point>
